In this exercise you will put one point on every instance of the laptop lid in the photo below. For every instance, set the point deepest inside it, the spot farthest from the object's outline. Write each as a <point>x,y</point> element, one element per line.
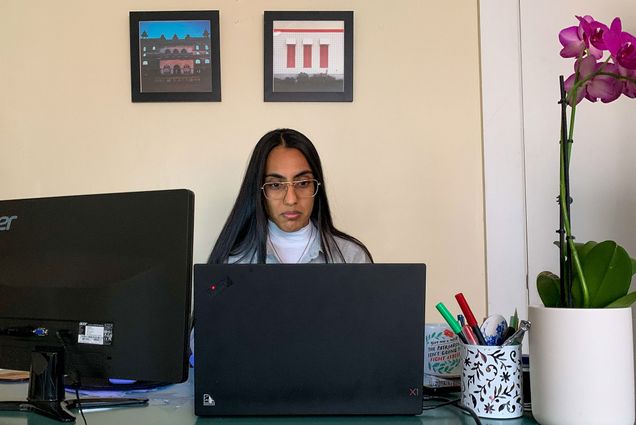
<point>309,339</point>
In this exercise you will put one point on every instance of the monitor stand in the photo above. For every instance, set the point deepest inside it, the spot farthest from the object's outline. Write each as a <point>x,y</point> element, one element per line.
<point>46,389</point>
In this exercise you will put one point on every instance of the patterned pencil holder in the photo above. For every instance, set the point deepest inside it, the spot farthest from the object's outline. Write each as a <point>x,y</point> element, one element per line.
<point>491,380</point>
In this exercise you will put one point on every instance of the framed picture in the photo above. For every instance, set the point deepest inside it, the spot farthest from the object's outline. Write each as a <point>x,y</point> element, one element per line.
<point>174,56</point>
<point>308,56</point>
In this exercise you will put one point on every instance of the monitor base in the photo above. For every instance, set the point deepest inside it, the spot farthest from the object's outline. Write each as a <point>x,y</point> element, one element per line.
<point>105,402</point>
<point>53,409</point>
<point>46,390</point>
<point>60,410</point>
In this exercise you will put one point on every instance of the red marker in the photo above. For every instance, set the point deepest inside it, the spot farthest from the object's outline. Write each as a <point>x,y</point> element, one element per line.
<point>470,317</point>
<point>469,334</point>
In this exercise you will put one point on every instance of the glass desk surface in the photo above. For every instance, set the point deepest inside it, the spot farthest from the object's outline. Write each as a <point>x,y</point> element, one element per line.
<point>173,405</point>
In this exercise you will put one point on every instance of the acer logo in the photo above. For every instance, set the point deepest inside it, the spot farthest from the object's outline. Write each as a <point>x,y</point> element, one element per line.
<point>5,222</point>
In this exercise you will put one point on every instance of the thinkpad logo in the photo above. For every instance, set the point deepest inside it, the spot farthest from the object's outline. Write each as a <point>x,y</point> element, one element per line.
<point>5,222</point>
<point>208,400</point>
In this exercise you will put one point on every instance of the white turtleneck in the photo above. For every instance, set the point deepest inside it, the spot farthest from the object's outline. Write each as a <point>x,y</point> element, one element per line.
<point>290,247</point>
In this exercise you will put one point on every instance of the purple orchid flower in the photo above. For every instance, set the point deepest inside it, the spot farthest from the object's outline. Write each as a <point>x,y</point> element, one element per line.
<point>622,45</point>
<point>603,87</point>
<point>628,87</point>
<point>576,39</point>
<point>594,31</point>
<point>571,39</point>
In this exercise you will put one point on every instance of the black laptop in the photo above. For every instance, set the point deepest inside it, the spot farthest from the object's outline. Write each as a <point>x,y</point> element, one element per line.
<point>309,339</point>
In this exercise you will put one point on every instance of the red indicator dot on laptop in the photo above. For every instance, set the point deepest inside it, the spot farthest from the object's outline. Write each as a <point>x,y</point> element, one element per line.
<point>213,287</point>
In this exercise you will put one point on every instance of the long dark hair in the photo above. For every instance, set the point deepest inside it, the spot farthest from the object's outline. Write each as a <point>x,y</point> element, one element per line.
<point>245,231</point>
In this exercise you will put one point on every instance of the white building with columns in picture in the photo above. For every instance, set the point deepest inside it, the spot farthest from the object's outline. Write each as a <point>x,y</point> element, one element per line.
<point>310,47</point>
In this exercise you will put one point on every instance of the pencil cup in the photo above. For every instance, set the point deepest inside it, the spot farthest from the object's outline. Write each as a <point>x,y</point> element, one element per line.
<point>491,380</point>
<point>441,351</point>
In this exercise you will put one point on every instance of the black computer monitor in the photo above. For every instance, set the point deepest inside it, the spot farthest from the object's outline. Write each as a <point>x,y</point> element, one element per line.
<point>96,287</point>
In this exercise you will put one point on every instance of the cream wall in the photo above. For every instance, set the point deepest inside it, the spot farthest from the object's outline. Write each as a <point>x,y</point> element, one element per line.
<point>403,161</point>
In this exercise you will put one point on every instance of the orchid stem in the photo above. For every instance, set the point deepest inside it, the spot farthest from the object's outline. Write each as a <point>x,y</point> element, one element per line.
<point>573,257</point>
<point>616,76</point>
<point>571,130</point>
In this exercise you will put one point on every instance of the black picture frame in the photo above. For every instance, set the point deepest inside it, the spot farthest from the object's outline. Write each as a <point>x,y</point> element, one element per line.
<point>283,81</point>
<point>179,66</point>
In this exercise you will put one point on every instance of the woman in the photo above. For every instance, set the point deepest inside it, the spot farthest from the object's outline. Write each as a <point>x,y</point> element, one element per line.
<point>281,214</point>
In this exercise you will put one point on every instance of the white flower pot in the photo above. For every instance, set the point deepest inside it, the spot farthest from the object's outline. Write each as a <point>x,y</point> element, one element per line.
<point>581,366</point>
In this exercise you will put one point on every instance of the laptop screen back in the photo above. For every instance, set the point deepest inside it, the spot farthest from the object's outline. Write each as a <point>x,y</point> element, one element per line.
<point>309,339</point>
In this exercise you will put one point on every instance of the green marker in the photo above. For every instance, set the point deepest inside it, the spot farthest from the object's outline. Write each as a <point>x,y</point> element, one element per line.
<point>454,324</point>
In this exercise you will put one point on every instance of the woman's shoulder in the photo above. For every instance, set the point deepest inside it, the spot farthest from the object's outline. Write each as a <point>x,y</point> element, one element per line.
<point>352,252</point>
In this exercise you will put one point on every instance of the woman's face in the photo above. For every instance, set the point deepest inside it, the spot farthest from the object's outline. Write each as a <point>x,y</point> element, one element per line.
<point>291,212</point>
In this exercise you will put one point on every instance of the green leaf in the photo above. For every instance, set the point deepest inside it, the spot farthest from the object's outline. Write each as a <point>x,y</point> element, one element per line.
<point>584,248</point>
<point>625,301</point>
<point>548,288</point>
<point>633,267</point>
<point>608,272</point>
<point>581,248</point>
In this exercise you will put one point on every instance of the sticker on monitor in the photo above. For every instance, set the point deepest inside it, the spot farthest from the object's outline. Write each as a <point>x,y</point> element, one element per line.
<point>95,333</point>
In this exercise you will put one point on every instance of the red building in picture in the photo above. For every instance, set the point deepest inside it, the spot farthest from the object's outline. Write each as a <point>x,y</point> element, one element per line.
<point>175,64</point>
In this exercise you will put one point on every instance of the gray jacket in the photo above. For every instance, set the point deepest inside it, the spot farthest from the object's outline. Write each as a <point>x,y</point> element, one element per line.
<point>351,252</point>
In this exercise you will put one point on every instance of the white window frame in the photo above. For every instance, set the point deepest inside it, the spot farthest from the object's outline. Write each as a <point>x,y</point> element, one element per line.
<point>504,161</point>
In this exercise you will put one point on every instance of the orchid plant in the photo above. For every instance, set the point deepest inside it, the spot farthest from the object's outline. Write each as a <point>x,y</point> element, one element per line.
<point>593,275</point>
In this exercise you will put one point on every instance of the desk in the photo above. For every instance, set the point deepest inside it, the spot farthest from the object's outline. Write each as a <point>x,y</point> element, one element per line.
<point>173,405</point>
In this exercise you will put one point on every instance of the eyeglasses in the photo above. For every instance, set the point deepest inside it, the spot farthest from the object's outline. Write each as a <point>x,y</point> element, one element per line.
<point>306,188</point>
